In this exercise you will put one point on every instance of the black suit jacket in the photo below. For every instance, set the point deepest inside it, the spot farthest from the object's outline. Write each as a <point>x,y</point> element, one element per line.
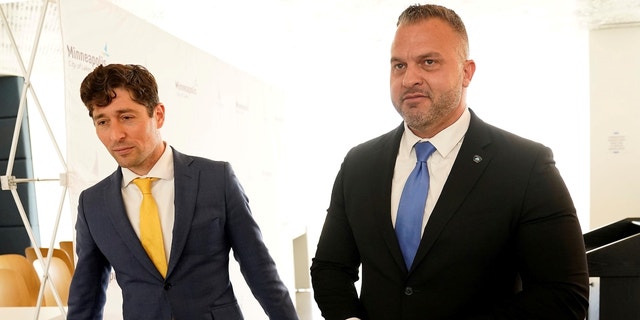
<point>212,216</point>
<point>503,241</point>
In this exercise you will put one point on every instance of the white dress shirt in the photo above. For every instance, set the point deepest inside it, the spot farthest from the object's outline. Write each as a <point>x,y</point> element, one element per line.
<point>447,143</point>
<point>163,192</point>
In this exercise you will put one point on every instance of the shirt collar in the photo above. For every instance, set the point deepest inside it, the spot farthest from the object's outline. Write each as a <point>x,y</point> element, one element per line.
<point>445,141</point>
<point>163,168</point>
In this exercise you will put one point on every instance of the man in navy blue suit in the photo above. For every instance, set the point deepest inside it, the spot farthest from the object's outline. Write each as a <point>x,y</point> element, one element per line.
<point>203,212</point>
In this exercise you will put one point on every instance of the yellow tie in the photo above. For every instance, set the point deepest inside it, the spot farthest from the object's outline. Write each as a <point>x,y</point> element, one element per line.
<point>150,229</point>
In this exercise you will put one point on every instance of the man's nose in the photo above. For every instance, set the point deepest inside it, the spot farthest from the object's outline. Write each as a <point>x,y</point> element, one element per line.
<point>412,77</point>
<point>117,131</point>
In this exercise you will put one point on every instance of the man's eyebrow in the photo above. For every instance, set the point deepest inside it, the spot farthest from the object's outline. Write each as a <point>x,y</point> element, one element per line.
<point>430,54</point>
<point>118,112</point>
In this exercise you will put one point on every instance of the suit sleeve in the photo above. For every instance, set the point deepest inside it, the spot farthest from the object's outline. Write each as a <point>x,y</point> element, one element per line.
<point>550,251</point>
<point>256,264</point>
<point>87,294</point>
<point>334,269</point>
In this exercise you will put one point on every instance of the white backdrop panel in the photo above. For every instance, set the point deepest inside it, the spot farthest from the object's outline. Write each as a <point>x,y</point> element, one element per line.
<point>213,110</point>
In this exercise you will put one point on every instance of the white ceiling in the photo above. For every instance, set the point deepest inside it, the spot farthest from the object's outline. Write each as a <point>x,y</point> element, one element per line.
<point>284,40</point>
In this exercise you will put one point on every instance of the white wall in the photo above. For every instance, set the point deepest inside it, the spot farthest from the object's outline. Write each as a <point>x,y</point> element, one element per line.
<point>615,123</point>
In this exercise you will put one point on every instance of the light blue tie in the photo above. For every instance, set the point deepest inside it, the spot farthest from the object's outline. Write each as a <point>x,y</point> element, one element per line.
<point>412,202</point>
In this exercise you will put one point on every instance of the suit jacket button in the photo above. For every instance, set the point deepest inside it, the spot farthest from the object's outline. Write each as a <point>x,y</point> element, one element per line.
<point>408,291</point>
<point>167,286</point>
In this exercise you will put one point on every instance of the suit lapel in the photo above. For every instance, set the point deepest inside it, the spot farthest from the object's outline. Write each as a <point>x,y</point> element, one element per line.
<point>186,190</point>
<point>385,165</point>
<point>469,165</point>
<point>117,214</point>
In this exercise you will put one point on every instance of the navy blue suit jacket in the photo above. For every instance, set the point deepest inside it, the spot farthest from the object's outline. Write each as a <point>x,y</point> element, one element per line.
<point>212,216</point>
<point>504,215</point>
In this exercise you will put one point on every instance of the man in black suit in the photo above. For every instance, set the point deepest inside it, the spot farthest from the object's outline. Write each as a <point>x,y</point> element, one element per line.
<point>499,237</point>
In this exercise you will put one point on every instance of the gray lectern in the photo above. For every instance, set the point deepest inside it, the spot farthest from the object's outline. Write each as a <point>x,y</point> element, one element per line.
<point>613,255</point>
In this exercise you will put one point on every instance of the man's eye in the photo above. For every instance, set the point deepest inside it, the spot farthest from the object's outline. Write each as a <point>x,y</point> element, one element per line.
<point>398,66</point>
<point>429,62</point>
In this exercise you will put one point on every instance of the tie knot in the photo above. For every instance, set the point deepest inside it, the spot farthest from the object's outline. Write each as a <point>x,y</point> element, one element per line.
<point>144,184</point>
<point>424,150</point>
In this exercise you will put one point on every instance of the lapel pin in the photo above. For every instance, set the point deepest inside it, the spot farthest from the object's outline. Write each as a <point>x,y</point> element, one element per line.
<point>477,158</point>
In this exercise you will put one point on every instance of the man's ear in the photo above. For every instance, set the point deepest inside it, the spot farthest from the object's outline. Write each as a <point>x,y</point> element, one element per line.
<point>158,114</point>
<point>469,69</point>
